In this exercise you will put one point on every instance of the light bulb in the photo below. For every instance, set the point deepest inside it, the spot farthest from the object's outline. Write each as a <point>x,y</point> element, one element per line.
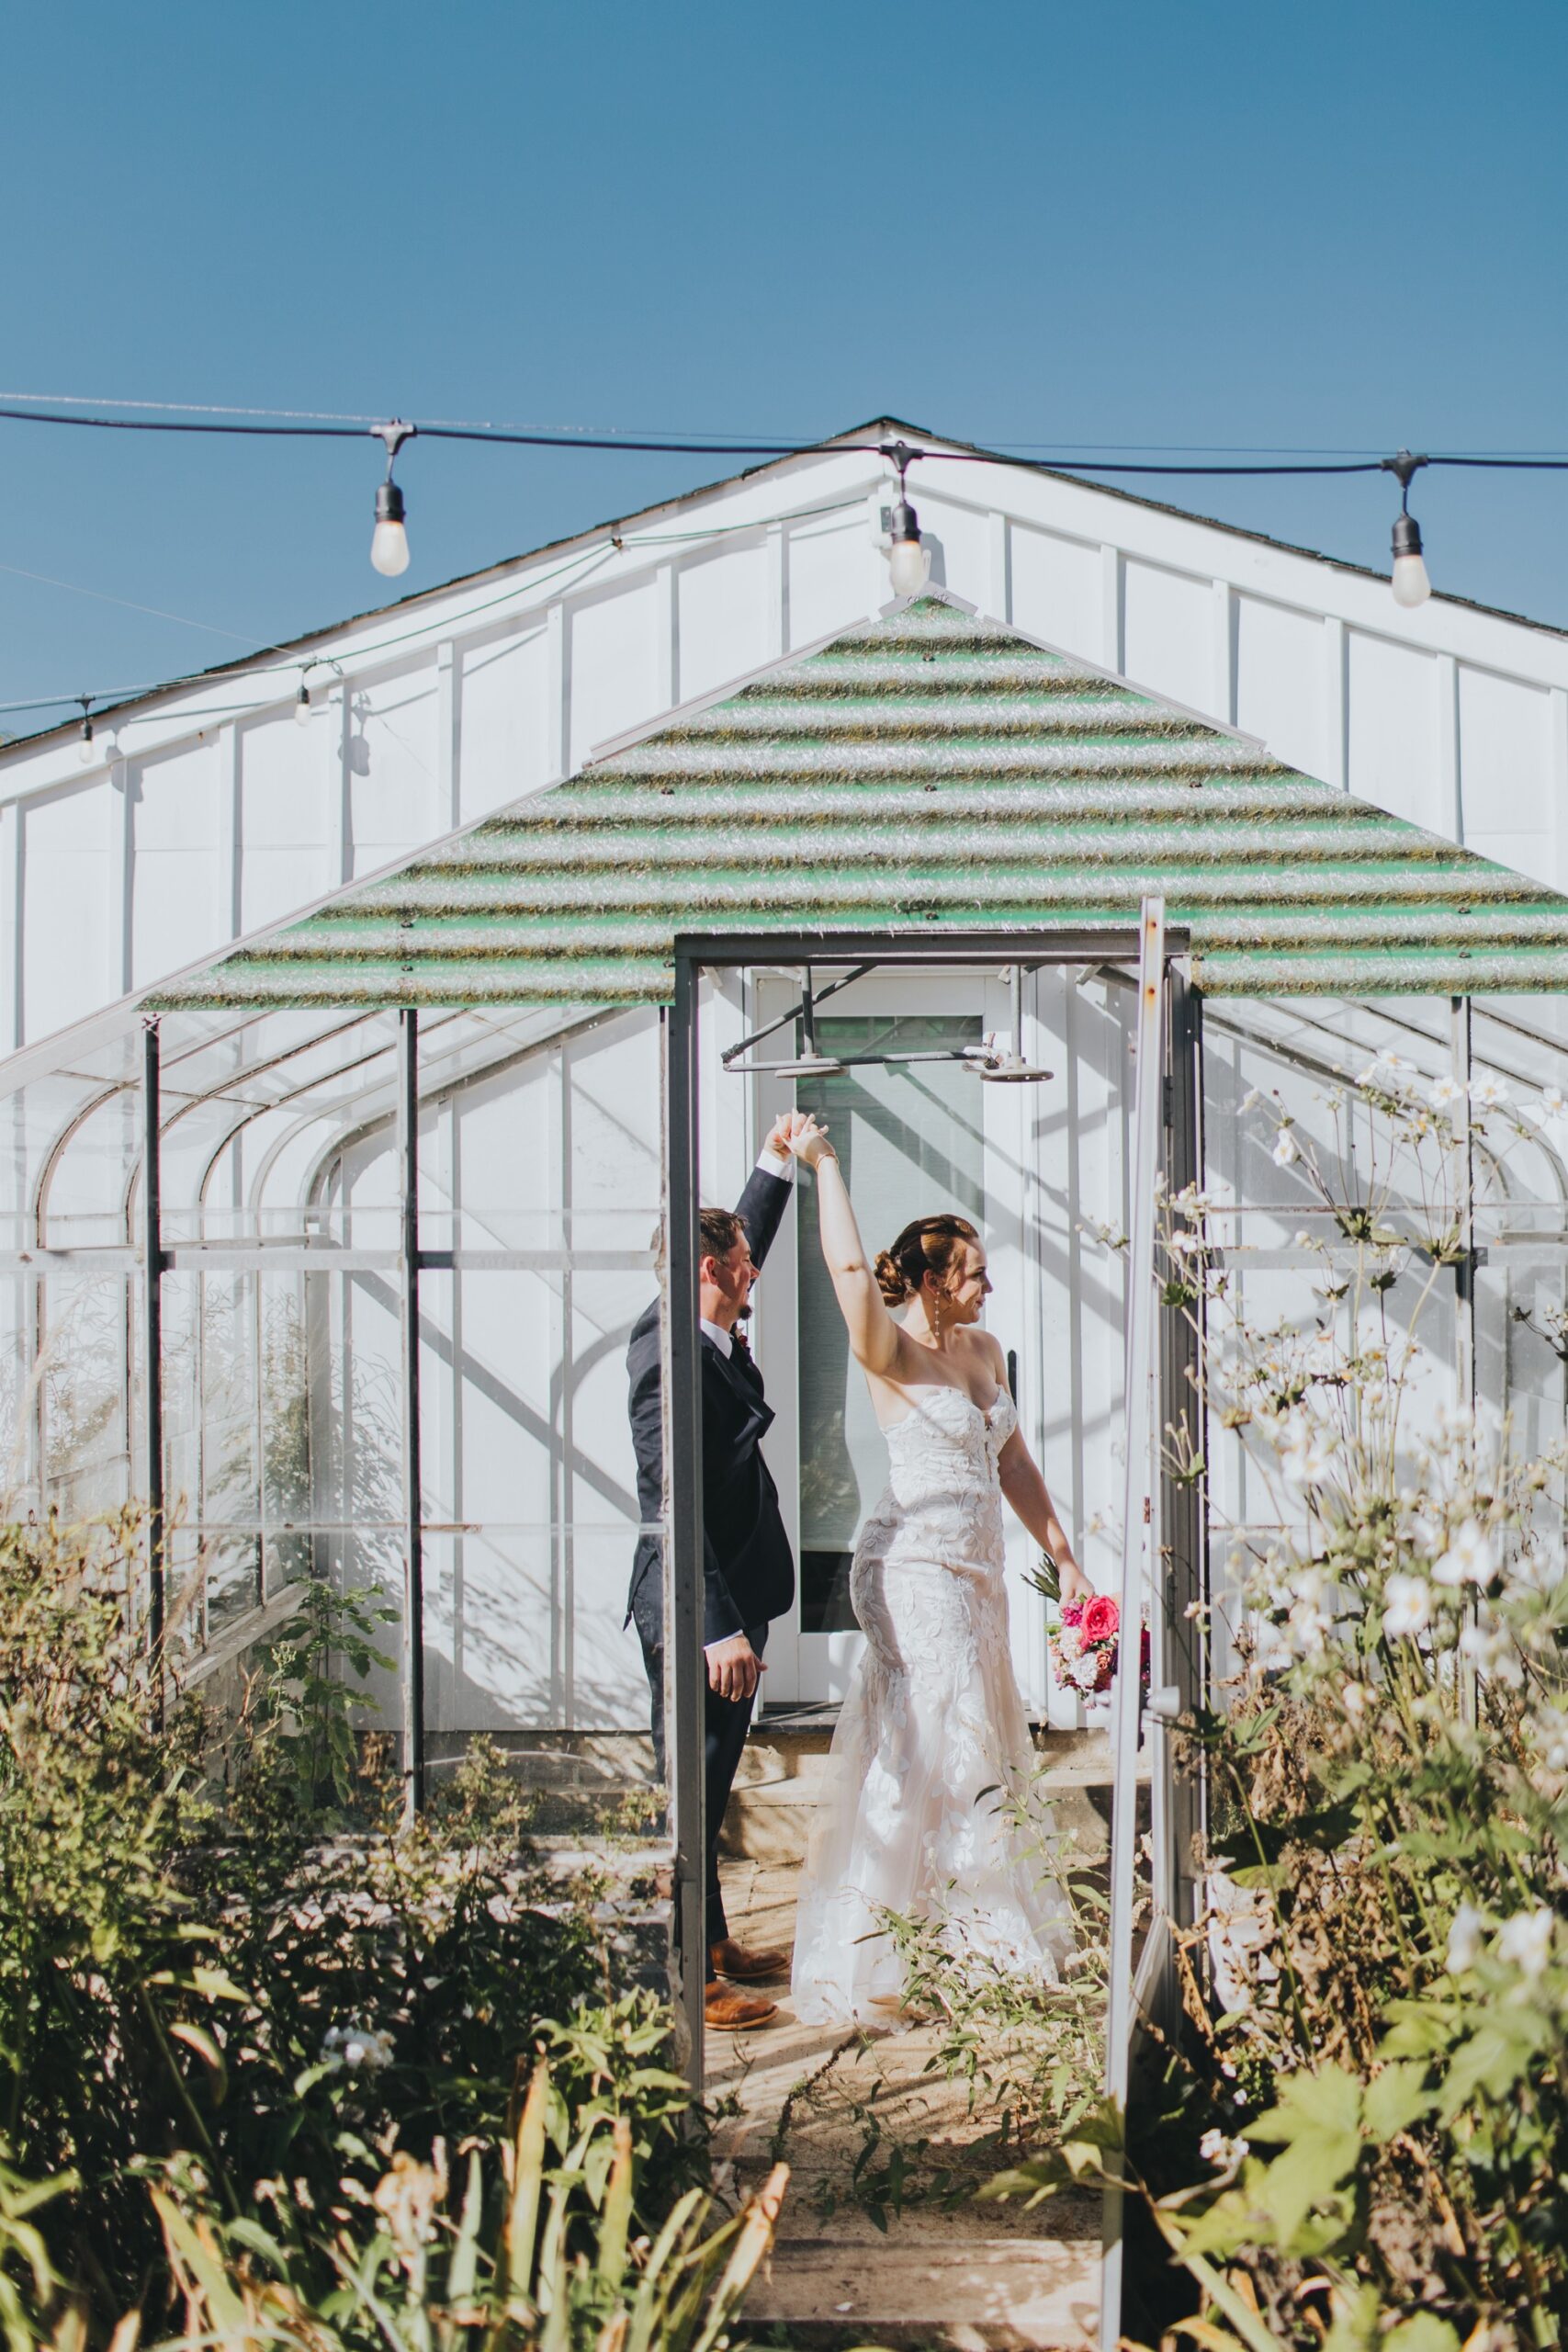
<point>909,562</point>
<point>910,567</point>
<point>389,542</point>
<point>303,706</point>
<point>1411,585</point>
<point>86,749</point>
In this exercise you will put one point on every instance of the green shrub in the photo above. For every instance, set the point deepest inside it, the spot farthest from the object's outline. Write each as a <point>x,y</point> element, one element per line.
<point>1366,2139</point>
<point>226,1966</point>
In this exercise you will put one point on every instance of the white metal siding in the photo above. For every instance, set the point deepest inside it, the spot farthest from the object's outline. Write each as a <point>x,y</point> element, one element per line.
<point>205,822</point>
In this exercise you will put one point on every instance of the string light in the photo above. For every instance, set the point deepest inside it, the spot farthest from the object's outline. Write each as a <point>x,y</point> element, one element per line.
<point>302,704</point>
<point>86,751</point>
<point>909,562</point>
<point>390,541</point>
<point>1411,585</point>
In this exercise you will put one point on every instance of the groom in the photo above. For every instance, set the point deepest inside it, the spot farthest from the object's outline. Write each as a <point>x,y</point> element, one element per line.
<point>748,1572</point>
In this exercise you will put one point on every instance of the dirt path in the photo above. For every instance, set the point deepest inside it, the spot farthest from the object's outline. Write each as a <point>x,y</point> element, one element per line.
<point>884,2259</point>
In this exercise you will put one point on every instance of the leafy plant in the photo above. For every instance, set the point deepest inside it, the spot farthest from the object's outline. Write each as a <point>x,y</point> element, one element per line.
<point>1366,2138</point>
<point>534,2253</point>
<point>224,1958</point>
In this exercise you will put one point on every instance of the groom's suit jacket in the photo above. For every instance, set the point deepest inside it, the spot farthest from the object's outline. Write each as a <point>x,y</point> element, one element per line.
<point>748,1570</point>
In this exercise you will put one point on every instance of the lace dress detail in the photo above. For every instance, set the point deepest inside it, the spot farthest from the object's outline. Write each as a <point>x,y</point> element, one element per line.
<point>932,1754</point>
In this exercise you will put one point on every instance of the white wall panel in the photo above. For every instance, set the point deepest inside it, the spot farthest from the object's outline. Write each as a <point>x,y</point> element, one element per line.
<point>393,793</point>
<point>1168,624</point>
<point>599,641</point>
<point>1394,728</point>
<point>285,818</point>
<point>175,839</point>
<point>502,726</point>
<point>71,931</point>
<point>964,538</point>
<point>1281,688</point>
<point>1506,769</point>
<point>1057,590</point>
<point>722,620</point>
<point>615,665</point>
<point>829,572</point>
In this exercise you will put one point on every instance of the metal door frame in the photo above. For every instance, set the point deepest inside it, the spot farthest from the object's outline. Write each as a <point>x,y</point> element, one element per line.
<point>1151,946</point>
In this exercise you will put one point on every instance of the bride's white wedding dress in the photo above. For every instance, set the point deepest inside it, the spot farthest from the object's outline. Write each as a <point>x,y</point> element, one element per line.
<point>932,1741</point>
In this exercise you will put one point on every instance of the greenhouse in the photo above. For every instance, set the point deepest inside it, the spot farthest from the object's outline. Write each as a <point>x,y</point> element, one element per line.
<point>328,1251</point>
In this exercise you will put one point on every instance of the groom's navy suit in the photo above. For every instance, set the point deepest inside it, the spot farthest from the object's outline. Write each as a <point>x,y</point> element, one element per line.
<point>748,1569</point>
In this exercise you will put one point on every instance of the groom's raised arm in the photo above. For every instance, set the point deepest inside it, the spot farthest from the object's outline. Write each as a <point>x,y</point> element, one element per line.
<point>762,1204</point>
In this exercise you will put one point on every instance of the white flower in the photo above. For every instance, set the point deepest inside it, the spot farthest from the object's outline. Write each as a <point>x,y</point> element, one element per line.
<point>1492,1648</point>
<point>1355,1696</point>
<point>1469,1558</point>
<point>1444,1090</point>
<point>1382,1070</point>
<point>1550,1729</point>
<point>1215,2149</point>
<point>354,2046</point>
<point>1550,1107</point>
<point>1526,1940</point>
<point>1307,1462</point>
<point>1455,1420</point>
<point>1309,1622</point>
<point>1273,1652</point>
<point>1284,1149</point>
<point>1407,1606</point>
<point>1536,1570</point>
<point>1487,1093</point>
<point>1467,1935</point>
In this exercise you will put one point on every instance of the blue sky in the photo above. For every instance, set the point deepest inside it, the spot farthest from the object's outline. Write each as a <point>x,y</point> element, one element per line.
<point>1333,226</point>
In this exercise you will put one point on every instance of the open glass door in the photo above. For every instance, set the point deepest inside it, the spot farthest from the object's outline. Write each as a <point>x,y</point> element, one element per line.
<point>915,1137</point>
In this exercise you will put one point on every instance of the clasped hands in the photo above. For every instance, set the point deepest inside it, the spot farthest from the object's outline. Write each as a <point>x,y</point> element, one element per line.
<point>799,1134</point>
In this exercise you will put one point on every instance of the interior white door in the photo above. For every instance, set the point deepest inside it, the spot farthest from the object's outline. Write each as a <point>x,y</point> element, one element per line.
<point>914,1138</point>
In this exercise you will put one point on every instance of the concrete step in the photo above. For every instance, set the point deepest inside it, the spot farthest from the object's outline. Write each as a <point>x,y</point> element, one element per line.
<point>972,2293</point>
<point>781,1779</point>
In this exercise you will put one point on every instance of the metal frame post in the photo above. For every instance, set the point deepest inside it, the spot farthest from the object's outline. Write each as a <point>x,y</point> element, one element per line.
<point>1137,1497</point>
<point>153,1262</point>
<point>413,1527</point>
<point>1181,1640</point>
<point>682,1549</point>
<point>1461,1039</point>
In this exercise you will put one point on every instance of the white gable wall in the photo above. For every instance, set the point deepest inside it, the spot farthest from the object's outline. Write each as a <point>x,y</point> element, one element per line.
<point>213,815</point>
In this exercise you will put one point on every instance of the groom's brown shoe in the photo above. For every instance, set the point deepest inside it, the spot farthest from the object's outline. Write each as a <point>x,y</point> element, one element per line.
<point>727,2011</point>
<point>744,1965</point>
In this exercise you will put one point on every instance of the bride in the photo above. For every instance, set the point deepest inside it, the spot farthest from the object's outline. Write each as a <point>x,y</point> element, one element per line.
<point>932,1762</point>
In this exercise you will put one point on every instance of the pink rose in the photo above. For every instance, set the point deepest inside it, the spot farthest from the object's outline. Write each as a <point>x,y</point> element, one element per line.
<point>1101,1619</point>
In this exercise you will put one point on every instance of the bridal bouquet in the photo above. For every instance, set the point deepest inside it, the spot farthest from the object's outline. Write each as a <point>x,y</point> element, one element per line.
<point>1086,1640</point>
<point>1084,1644</point>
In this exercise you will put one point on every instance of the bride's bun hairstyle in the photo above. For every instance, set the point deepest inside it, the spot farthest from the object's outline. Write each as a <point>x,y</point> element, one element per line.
<point>926,1246</point>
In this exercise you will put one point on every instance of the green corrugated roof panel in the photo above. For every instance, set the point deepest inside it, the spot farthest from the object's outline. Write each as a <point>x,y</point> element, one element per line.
<point>926,769</point>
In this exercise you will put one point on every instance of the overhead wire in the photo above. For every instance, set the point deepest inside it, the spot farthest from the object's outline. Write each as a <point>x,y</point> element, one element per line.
<point>188,419</point>
<point>263,426</point>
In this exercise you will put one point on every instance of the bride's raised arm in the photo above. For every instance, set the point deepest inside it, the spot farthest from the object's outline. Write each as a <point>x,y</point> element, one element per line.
<point>874,1337</point>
